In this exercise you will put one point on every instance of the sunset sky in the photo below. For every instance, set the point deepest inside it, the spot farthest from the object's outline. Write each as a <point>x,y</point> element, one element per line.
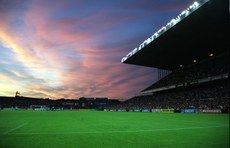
<point>73,48</point>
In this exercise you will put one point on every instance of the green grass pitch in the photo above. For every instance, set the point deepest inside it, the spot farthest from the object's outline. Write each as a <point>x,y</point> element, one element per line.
<point>98,129</point>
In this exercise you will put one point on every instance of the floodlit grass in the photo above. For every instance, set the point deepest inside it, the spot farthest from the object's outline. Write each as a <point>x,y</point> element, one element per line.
<point>97,129</point>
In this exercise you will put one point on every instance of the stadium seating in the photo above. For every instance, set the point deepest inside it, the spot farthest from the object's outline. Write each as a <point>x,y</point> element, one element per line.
<point>210,94</point>
<point>209,67</point>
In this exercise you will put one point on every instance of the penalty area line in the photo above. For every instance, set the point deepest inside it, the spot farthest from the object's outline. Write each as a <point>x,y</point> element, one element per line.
<point>108,132</point>
<point>13,129</point>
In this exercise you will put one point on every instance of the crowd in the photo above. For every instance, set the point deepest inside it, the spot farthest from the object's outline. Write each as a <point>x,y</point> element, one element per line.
<point>211,66</point>
<point>211,95</point>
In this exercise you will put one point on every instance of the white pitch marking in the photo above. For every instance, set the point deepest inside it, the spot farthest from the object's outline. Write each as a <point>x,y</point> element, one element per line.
<point>13,129</point>
<point>136,131</point>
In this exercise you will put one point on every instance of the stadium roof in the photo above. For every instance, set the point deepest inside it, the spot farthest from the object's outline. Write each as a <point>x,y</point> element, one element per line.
<point>198,31</point>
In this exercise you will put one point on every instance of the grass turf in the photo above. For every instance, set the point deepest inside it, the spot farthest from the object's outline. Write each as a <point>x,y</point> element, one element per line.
<point>97,129</point>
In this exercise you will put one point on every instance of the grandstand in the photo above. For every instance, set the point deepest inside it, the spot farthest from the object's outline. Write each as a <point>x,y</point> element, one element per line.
<point>194,46</point>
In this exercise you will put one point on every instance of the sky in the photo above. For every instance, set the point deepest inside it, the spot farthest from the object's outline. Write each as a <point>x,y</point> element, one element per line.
<point>73,48</point>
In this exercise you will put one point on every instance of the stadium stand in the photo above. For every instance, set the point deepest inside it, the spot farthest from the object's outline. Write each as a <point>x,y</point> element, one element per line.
<point>203,96</point>
<point>208,68</point>
<point>196,50</point>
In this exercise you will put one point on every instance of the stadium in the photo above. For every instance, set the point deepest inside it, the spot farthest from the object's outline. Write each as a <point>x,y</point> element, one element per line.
<point>191,53</point>
<point>187,107</point>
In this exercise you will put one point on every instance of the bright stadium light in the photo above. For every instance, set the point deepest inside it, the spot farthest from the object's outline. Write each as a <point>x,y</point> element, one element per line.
<point>169,25</point>
<point>211,54</point>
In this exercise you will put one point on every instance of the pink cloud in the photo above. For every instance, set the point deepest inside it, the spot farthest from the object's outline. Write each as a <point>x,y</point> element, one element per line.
<point>71,62</point>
